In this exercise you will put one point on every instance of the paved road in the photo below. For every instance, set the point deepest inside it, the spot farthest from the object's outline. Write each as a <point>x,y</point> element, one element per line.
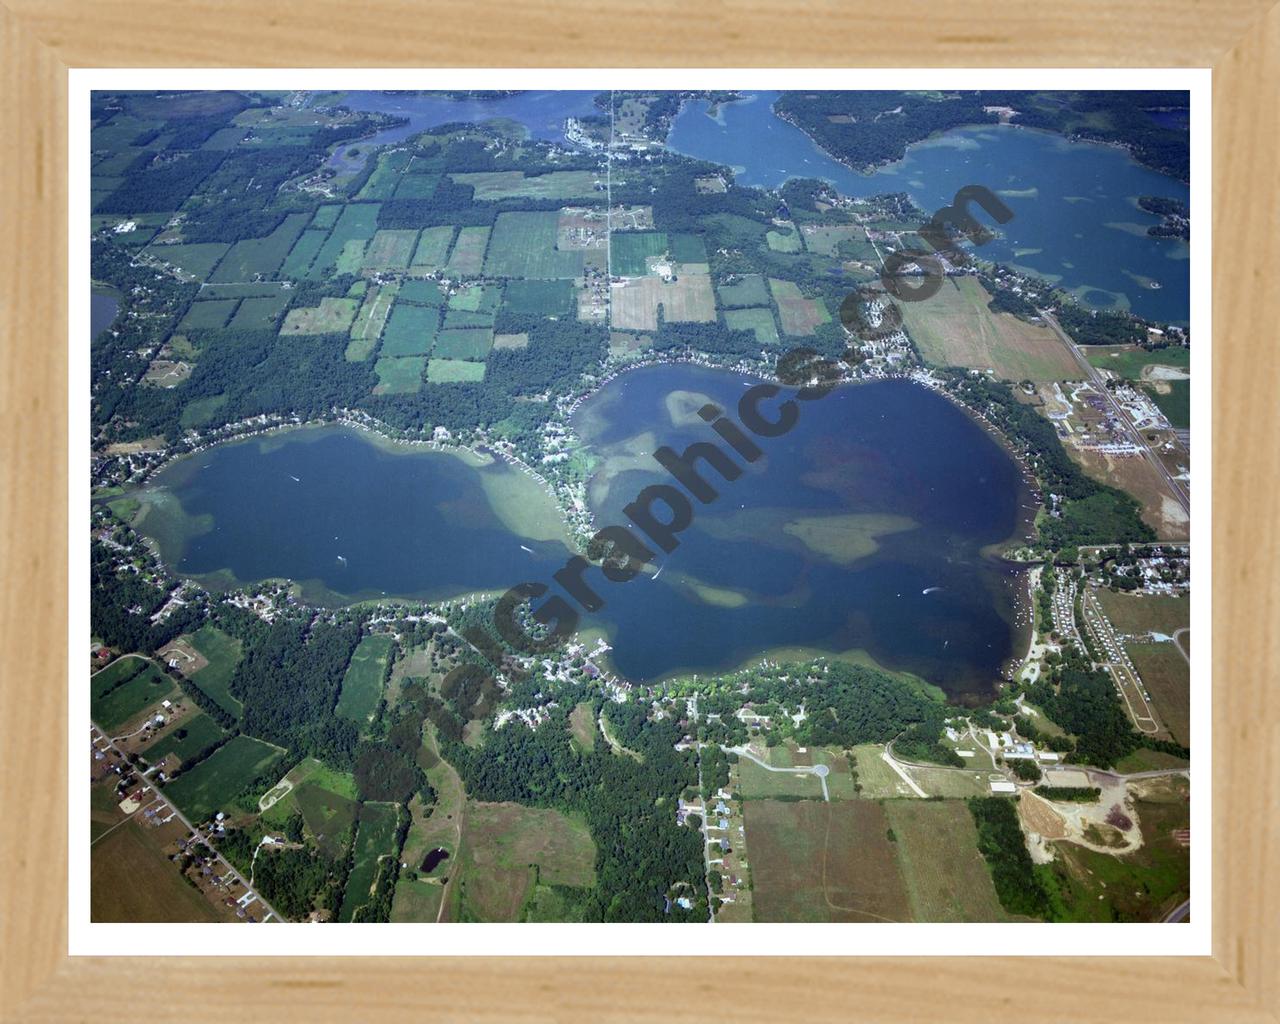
<point>1185,631</point>
<point>1095,377</point>
<point>1180,912</point>
<point>820,770</point>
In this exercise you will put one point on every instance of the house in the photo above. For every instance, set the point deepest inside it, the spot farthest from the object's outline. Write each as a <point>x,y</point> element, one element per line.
<point>1003,787</point>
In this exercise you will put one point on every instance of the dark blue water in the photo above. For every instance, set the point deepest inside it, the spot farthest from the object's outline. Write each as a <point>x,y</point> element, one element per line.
<point>880,449</point>
<point>103,307</point>
<point>1075,223</point>
<point>543,113</point>
<point>359,521</point>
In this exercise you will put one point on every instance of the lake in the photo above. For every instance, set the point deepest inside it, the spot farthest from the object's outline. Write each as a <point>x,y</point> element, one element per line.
<point>103,306</point>
<point>862,530</point>
<point>1076,221</point>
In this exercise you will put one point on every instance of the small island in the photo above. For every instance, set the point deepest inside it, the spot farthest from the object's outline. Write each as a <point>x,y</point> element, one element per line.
<point>1174,214</point>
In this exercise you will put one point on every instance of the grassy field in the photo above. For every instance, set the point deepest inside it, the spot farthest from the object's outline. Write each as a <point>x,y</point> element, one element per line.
<point>132,880</point>
<point>945,875</point>
<point>1167,677</point>
<point>478,298</point>
<point>195,259</point>
<point>422,293</point>
<point>374,839</point>
<point>955,328</point>
<point>357,222</point>
<point>386,175</point>
<point>877,779</point>
<point>326,809</point>
<point>223,653</point>
<point>689,250</point>
<point>261,257</point>
<point>332,316</point>
<point>259,314</point>
<point>502,845</point>
<point>467,258</point>
<point>220,778</point>
<point>410,330</point>
<point>210,314</point>
<point>1129,360</point>
<point>582,726</point>
<point>759,320</point>
<point>463,344</point>
<point>389,250</point>
<point>1174,399</point>
<point>366,328</point>
<point>784,239</point>
<point>304,250</point>
<point>524,245</point>
<point>819,862</point>
<point>326,216</point>
<point>452,371</point>
<point>362,684</point>
<point>759,783</point>
<point>746,291</point>
<point>823,238</point>
<point>494,185</point>
<point>1140,613</point>
<point>799,316</point>
<point>432,250</point>
<point>124,689</point>
<point>399,375</point>
<point>629,251</point>
<point>195,733</point>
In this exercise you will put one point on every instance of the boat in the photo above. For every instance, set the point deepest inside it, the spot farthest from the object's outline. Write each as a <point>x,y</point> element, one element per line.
<point>930,590</point>
<point>523,548</point>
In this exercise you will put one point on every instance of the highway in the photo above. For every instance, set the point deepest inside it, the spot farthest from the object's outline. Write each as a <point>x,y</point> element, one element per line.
<point>1096,379</point>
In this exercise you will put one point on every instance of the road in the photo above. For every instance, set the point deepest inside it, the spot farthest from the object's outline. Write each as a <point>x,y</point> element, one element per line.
<point>1093,375</point>
<point>1185,631</point>
<point>820,770</point>
<point>1121,668</point>
<point>1180,912</point>
<point>159,797</point>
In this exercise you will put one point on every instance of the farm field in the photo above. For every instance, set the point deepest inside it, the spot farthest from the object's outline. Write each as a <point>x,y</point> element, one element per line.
<point>524,245</point>
<point>636,302</point>
<point>478,298</point>
<point>303,252</point>
<point>356,223</point>
<point>746,291</point>
<point>757,783</point>
<point>467,258</point>
<point>1129,361</point>
<point>494,185</point>
<point>259,313</point>
<point>332,316</point>
<point>386,175</point>
<point>194,733</point>
<point>1174,399</point>
<point>823,238</point>
<point>195,259</point>
<point>1167,677</point>
<point>210,314</point>
<point>630,251</point>
<point>220,777</point>
<point>452,371</point>
<point>799,316</point>
<point>463,344</point>
<point>818,862</point>
<point>366,328</point>
<point>132,880</point>
<point>877,779</point>
<point>327,805</point>
<point>389,250</point>
<point>784,238</point>
<point>432,250</point>
<point>410,330</point>
<point>946,877</point>
<point>758,320</point>
<point>251,258</point>
<point>399,375</point>
<point>124,689</point>
<point>375,838</point>
<point>1140,613</point>
<point>422,293</point>
<point>955,328</point>
<point>362,684</point>
<point>223,653</point>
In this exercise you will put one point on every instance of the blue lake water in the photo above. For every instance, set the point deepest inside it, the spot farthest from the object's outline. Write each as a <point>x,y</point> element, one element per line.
<point>103,306</point>
<point>1076,221</point>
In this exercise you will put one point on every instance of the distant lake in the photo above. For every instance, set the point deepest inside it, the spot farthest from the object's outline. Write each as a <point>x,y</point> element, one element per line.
<point>1076,221</point>
<point>103,307</point>
<point>543,113</point>
<point>864,529</point>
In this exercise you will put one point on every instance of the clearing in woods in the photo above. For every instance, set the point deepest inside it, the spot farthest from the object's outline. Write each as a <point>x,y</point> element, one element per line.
<point>758,320</point>
<point>955,328</point>
<point>332,316</point>
<point>375,838</point>
<point>815,861</point>
<point>582,725</point>
<point>399,375</point>
<point>945,875</point>
<point>223,654</point>
<point>362,684</point>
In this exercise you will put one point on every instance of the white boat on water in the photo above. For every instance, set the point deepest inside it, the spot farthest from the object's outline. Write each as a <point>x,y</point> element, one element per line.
<point>930,590</point>
<point>523,548</point>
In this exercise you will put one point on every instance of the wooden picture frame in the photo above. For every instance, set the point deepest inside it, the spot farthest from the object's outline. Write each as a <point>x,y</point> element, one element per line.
<point>1239,39</point>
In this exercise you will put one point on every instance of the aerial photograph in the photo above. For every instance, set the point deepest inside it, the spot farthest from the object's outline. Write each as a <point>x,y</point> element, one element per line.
<point>715,506</point>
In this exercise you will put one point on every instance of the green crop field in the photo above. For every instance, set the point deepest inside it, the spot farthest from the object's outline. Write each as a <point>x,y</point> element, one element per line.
<point>332,316</point>
<point>410,330</point>
<point>432,251</point>
<point>327,813</point>
<point>630,249</point>
<point>467,258</point>
<point>463,344</point>
<point>464,319</point>
<point>1174,399</point>
<point>688,248</point>
<point>362,684</point>
<point>390,250</point>
<point>386,175</point>
<point>545,298</point>
<point>195,259</point>
<point>374,839</point>
<point>476,298</point>
<point>196,732</point>
<point>524,245</point>
<point>124,689</point>
<point>758,320</point>
<point>209,315</point>
<point>221,777</point>
<point>223,653</point>
<point>799,315</point>
<point>422,293</point>
<point>357,222</point>
<point>261,257</point>
<point>417,186</point>
<point>454,371</point>
<point>746,291</point>
<point>399,375</point>
<point>1167,677</point>
<point>366,329</point>
<point>326,216</point>
<point>1128,361</point>
<point>259,314</point>
<point>493,185</point>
